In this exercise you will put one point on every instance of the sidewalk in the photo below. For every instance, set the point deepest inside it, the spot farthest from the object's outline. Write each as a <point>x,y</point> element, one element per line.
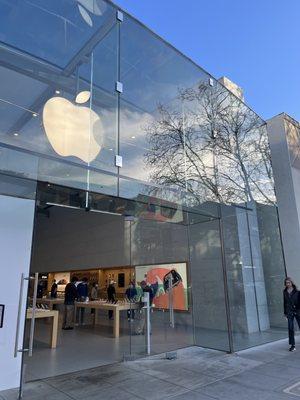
<point>265,372</point>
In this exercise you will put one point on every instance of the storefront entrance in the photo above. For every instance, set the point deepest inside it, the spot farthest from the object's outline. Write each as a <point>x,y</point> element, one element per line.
<point>191,262</point>
<point>139,248</point>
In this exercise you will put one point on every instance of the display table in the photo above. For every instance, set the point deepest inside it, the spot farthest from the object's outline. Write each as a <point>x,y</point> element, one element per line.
<point>103,305</point>
<point>47,314</point>
<point>50,302</point>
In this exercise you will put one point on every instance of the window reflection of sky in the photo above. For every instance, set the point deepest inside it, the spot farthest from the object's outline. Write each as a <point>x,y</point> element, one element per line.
<point>53,30</point>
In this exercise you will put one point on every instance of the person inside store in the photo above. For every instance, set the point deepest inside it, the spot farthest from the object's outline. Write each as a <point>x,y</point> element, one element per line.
<point>140,328</point>
<point>291,305</point>
<point>148,288</point>
<point>131,296</point>
<point>111,297</point>
<point>82,292</point>
<point>94,295</point>
<point>71,294</point>
<point>40,289</point>
<point>53,292</point>
<point>94,291</point>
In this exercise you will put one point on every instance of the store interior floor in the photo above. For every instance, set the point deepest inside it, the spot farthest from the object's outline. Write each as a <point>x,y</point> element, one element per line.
<point>89,346</point>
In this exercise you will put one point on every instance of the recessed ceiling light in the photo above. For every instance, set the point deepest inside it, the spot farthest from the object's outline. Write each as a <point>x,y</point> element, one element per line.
<point>16,134</point>
<point>34,114</point>
<point>57,91</point>
<point>132,137</point>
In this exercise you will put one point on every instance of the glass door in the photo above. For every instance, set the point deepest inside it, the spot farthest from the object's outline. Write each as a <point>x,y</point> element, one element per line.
<point>159,255</point>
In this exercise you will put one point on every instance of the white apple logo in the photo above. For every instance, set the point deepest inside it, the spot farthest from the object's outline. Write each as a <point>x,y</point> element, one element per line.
<point>70,128</point>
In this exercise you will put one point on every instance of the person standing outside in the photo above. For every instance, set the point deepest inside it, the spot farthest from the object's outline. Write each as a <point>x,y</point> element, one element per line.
<point>291,305</point>
<point>71,295</point>
<point>111,297</point>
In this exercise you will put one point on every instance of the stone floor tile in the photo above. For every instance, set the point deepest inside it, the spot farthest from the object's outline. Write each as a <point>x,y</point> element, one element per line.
<point>281,396</point>
<point>277,370</point>
<point>230,390</point>
<point>260,355</point>
<point>33,390</point>
<point>253,380</point>
<point>292,360</point>
<point>112,393</point>
<point>150,388</point>
<point>14,394</point>
<point>190,395</point>
<point>182,377</point>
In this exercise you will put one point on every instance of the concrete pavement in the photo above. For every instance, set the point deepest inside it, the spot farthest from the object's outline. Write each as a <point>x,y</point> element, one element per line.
<point>262,373</point>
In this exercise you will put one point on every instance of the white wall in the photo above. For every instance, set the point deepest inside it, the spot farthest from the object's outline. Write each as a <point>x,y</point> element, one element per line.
<point>16,227</point>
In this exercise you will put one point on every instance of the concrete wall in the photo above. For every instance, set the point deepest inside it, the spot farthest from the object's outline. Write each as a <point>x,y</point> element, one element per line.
<point>74,239</point>
<point>287,186</point>
<point>273,263</point>
<point>256,307</point>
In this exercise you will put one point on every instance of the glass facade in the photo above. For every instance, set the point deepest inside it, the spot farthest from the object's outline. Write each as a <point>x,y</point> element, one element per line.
<point>80,85</point>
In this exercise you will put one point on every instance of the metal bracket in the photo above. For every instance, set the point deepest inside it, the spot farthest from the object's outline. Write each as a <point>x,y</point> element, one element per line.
<point>119,87</point>
<point>23,350</point>
<point>119,161</point>
<point>120,16</point>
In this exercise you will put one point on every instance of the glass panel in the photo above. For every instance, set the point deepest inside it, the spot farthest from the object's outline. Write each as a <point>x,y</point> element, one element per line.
<point>70,115</point>
<point>17,187</point>
<point>141,191</point>
<point>157,248</point>
<point>242,161</point>
<point>153,126</point>
<point>18,163</point>
<point>60,173</point>
<point>210,322</point>
<point>251,279</point>
<point>273,264</point>
<point>54,31</point>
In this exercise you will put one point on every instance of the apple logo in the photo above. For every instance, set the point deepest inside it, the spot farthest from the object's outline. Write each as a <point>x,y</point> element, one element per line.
<point>70,128</point>
<point>87,7</point>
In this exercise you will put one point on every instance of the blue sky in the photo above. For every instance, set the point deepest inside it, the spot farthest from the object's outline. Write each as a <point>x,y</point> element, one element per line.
<point>255,43</point>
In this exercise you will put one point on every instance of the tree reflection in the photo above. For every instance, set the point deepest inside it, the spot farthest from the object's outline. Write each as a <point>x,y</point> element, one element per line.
<point>210,144</point>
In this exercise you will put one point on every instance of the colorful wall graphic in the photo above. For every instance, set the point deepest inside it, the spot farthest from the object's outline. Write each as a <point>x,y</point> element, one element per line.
<point>154,275</point>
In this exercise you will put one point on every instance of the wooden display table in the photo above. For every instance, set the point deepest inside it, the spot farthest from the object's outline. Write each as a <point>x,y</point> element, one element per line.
<point>50,302</point>
<point>47,314</point>
<point>103,305</point>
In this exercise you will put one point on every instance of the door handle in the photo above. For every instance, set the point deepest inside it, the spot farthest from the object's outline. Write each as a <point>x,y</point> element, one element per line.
<point>17,350</point>
<point>32,325</point>
<point>171,305</point>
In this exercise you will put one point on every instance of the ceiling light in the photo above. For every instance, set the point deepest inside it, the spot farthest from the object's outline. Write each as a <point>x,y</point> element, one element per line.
<point>57,91</point>
<point>110,149</point>
<point>34,115</point>
<point>132,137</point>
<point>83,97</point>
<point>16,134</point>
